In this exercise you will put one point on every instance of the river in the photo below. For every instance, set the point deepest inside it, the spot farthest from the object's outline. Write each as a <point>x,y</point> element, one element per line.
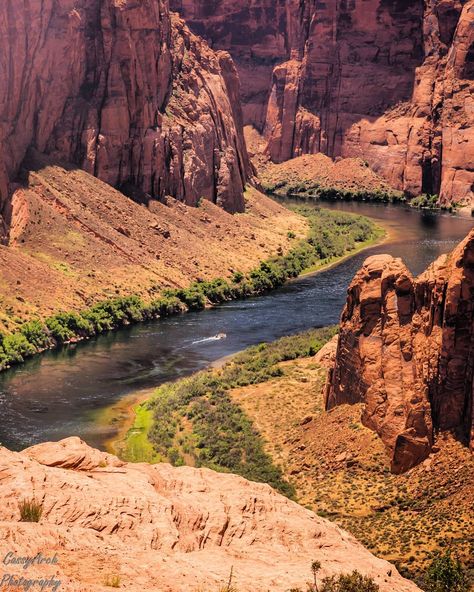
<point>57,394</point>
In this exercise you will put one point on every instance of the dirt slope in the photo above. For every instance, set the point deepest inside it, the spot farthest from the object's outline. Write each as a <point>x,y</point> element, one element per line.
<point>341,471</point>
<point>76,240</point>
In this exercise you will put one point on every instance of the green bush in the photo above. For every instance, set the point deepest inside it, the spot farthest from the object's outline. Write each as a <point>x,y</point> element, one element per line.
<point>446,574</point>
<point>354,582</point>
<point>36,334</point>
<point>16,348</point>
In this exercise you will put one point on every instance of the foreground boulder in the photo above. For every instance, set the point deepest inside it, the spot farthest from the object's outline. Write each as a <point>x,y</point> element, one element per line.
<point>163,528</point>
<point>406,350</point>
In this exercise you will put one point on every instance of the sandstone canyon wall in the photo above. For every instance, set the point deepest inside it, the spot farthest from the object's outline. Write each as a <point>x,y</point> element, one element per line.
<point>389,80</point>
<point>126,92</point>
<point>406,350</point>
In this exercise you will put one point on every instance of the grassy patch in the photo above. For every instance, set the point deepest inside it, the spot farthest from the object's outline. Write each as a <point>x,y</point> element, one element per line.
<point>139,448</point>
<point>196,422</point>
<point>30,510</point>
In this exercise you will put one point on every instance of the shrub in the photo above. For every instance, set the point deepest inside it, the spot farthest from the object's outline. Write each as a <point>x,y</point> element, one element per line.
<point>192,297</point>
<point>66,325</point>
<point>30,510</point>
<point>36,334</point>
<point>16,348</point>
<point>112,581</point>
<point>354,582</point>
<point>446,574</point>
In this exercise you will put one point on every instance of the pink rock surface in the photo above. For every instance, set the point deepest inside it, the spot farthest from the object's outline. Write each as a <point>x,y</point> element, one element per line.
<point>164,528</point>
<point>406,351</point>
<point>126,92</point>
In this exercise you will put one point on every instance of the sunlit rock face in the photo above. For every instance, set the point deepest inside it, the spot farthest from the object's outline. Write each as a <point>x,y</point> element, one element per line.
<point>161,528</point>
<point>406,350</point>
<point>389,80</point>
<point>126,92</point>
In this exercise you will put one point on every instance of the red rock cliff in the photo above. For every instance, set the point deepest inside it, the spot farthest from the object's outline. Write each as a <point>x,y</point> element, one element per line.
<point>389,80</point>
<point>126,92</point>
<point>406,350</point>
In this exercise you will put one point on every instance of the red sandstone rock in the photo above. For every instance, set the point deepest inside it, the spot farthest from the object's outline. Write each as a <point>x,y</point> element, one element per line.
<point>166,529</point>
<point>391,82</point>
<point>406,351</point>
<point>126,92</point>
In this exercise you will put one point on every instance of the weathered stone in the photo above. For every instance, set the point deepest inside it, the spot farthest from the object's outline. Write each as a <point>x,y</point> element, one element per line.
<point>126,92</point>
<point>406,350</point>
<point>160,528</point>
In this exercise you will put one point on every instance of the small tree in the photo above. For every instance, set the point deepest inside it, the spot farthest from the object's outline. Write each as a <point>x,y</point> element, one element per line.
<point>315,567</point>
<point>446,574</point>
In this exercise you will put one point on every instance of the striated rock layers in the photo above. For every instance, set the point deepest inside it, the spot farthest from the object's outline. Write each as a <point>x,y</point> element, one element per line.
<point>391,81</point>
<point>156,527</point>
<point>406,350</point>
<point>126,92</point>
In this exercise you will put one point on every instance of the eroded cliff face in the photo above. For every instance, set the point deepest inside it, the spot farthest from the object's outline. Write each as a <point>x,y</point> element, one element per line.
<point>406,350</point>
<point>387,80</point>
<point>161,528</point>
<point>126,92</point>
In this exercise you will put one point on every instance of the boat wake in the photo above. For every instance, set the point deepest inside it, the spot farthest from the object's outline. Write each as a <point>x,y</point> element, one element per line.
<point>217,337</point>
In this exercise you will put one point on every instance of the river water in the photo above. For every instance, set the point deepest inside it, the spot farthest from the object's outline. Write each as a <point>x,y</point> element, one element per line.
<point>56,395</point>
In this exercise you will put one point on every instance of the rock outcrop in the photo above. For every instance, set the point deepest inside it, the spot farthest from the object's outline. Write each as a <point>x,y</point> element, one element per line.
<point>390,81</point>
<point>123,90</point>
<point>155,527</point>
<point>406,351</point>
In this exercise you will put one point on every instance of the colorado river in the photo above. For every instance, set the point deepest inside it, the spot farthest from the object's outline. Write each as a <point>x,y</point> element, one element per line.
<point>54,395</point>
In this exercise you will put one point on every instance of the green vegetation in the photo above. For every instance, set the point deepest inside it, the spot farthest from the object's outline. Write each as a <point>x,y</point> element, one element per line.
<point>353,582</point>
<point>332,235</point>
<point>446,574</point>
<point>425,202</point>
<point>194,420</point>
<point>30,510</point>
<point>310,189</point>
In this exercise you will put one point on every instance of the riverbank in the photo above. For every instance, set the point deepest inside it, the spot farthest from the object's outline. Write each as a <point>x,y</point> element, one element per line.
<point>131,441</point>
<point>331,235</point>
<point>329,462</point>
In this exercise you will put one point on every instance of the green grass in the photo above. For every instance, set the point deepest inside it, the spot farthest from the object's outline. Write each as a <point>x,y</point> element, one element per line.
<point>195,421</point>
<point>312,190</point>
<point>139,448</point>
<point>332,235</point>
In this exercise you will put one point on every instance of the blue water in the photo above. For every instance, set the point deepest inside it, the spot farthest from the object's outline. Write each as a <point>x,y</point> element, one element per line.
<point>52,396</point>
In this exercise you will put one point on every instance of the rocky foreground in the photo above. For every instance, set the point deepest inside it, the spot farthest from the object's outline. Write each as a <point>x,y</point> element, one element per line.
<point>155,527</point>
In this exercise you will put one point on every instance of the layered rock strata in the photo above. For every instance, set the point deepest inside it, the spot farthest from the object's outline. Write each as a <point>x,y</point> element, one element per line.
<point>406,351</point>
<point>390,81</point>
<point>125,91</point>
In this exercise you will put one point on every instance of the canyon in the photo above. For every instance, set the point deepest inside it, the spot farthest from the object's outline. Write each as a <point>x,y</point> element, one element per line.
<point>405,353</point>
<point>124,91</point>
<point>388,81</point>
